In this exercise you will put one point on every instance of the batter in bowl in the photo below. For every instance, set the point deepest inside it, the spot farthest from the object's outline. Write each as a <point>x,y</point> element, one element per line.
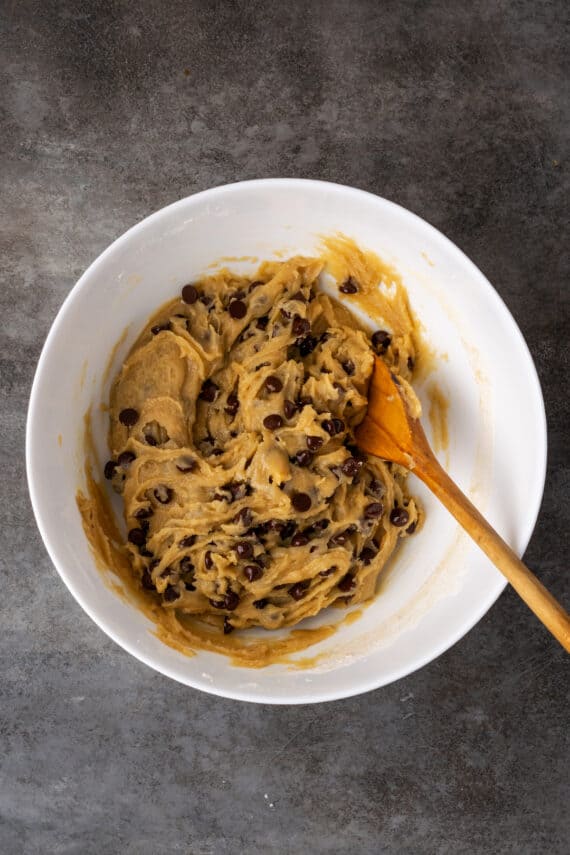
<point>247,502</point>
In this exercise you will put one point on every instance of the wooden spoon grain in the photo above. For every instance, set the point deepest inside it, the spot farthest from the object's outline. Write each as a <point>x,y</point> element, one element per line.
<point>391,432</point>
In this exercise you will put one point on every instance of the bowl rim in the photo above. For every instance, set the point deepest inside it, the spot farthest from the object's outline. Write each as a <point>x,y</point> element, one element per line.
<point>540,453</point>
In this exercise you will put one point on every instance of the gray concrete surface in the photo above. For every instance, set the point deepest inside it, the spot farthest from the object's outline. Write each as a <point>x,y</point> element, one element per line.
<point>457,110</point>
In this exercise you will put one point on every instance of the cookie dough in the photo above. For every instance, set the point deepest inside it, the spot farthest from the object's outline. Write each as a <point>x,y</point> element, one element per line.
<point>246,500</point>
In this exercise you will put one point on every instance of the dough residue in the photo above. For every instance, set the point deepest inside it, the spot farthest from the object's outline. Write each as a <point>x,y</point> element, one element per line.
<point>437,415</point>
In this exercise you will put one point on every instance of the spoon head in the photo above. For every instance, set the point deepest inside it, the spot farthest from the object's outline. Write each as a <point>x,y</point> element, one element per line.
<point>390,429</point>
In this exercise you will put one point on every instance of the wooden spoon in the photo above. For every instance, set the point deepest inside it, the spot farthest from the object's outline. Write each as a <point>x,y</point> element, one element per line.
<point>391,432</point>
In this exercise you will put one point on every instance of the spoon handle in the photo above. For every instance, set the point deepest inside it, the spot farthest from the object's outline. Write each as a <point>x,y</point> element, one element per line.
<point>529,588</point>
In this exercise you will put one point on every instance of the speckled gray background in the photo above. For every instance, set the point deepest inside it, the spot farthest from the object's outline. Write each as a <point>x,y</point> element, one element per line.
<point>110,110</point>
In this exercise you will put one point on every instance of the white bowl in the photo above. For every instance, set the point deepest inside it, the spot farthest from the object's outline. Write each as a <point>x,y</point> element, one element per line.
<point>439,584</point>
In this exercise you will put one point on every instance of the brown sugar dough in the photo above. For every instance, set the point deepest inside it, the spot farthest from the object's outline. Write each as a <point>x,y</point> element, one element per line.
<point>246,501</point>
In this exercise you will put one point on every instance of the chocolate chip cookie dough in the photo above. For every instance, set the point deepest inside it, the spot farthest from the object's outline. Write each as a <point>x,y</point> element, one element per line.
<point>247,502</point>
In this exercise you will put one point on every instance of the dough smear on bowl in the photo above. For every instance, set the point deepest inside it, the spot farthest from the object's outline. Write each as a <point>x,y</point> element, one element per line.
<point>246,501</point>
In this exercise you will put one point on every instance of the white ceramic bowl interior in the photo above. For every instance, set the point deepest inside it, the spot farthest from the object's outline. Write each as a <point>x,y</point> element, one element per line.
<point>439,585</point>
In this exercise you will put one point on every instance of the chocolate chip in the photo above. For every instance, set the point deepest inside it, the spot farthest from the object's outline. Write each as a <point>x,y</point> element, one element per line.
<point>189,585</point>
<point>136,536</point>
<point>146,580</point>
<point>260,604</point>
<point>314,442</point>
<point>217,604</point>
<point>381,341</point>
<point>259,531</point>
<point>374,510</point>
<point>303,458</point>
<point>227,626</point>
<point>157,431</point>
<point>285,314</point>
<point>299,539</point>
<point>208,562</point>
<point>163,494</point>
<point>255,285</point>
<point>244,549</point>
<point>333,426</point>
<point>189,294</point>
<point>349,367</point>
<point>273,384</point>
<point>110,469</point>
<point>209,391</point>
<point>238,489</point>
<point>143,513</point>
<point>376,487</point>
<point>237,309</point>
<point>328,572</point>
<point>129,417</point>
<point>145,525</point>
<point>261,323</point>
<point>288,529</point>
<point>187,541</point>
<point>301,502</point>
<point>186,464</point>
<point>367,555</point>
<point>347,583</point>
<point>349,286</point>
<point>149,439</point>
<point>206,300</point>
<point>232,405</point>
<point>307,345</point>
<point>339,539</point>
<point>306,401</point>
<point>186,565</point>
<point>350,467</point>
<point>299,590</point>
<point>158,328</point>
<point>170,594</point>
<point>273,422</point>
<point>252,572</point>
<point>231,601</point>
<point>411,363</point>
<point>245,517</point>
<point>289,409</point>
<point>299,296</point>
<point>412,527</point>
<point>399,517</point>
<point>300,326</point>
<point>321,525</point>
<point>125,459</point>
